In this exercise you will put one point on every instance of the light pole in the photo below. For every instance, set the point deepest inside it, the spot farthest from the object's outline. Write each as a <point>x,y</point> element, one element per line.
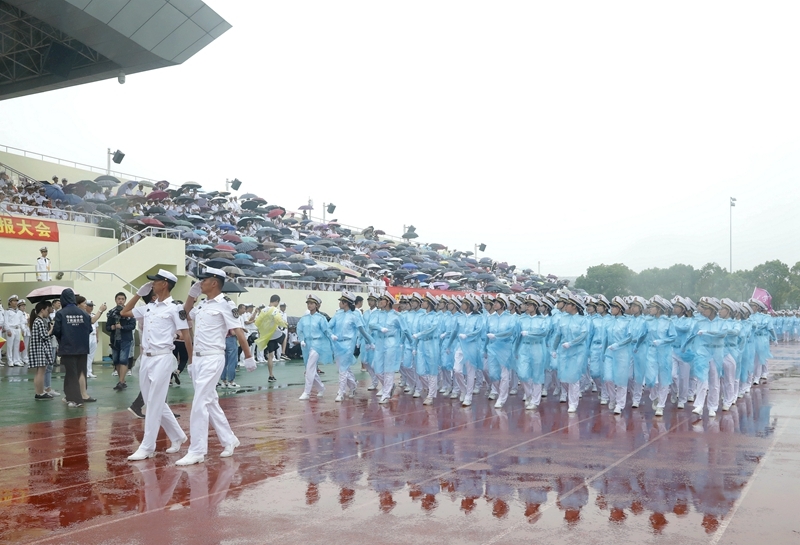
<point>730,266</point>
<point>116,156</point>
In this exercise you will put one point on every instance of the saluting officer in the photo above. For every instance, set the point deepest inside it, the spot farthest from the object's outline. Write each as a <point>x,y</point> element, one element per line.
<point>212,319</point>
<point>161,320</point>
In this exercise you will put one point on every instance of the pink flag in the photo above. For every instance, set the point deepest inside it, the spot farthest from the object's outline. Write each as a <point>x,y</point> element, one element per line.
<point>763,296</point>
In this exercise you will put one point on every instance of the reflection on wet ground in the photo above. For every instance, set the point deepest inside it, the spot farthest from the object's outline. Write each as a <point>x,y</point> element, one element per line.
<point>354,471</point>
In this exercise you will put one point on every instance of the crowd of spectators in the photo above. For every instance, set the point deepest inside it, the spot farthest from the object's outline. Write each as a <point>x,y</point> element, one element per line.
<point>266,245</point>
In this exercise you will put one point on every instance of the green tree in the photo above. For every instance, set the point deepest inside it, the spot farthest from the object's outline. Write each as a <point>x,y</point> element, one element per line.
<point>677,280</point>
<point>610,280</point>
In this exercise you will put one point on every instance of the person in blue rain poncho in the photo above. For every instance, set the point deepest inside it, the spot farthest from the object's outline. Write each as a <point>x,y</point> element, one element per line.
<point>763,332</point>
<point>556,313</point>
<point>709,349</point>
<point>618,359</point>
<point>388,331</point>
<point>601,320</point>
<point>447,348</point>
<point>533,357</point>
<point>570,347</point>
<point>426,346</point>
<point>368,355</point>
<point>728,312</point>
<point>660,351</point>
<point>315,340</point>
<point>345,326</point>
<point>410,314</point>
<point>747,351</point>
<point>468,358</point>
<point>681,359</point>
<point>639,344</point>
<point>500,334</point>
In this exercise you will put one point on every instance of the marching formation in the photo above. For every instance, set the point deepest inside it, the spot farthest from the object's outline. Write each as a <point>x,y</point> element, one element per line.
<point>562,344</point>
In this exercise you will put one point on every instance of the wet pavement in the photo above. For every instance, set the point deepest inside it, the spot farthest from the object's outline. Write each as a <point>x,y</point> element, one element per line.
<point>352,472</point>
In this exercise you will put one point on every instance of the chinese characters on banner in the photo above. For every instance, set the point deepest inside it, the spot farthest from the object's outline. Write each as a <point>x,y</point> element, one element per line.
<point>28,228</point>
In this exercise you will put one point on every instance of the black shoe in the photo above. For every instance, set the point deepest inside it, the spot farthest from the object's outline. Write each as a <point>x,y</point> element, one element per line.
<point>118,387</point>
<point>124,385</point>
<point>176,378</point>
<point>272,379</point>
<point>320,371</point>
<point>176,415</point>
<point>89,400</point>
<point>136,412</point>
<point>42,397</point>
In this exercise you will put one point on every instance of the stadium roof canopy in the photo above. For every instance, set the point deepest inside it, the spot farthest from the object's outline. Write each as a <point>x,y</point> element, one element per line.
<point>52,44</point>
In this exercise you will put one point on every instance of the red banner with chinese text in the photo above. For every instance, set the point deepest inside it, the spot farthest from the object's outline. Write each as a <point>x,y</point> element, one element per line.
<point>28,228</point>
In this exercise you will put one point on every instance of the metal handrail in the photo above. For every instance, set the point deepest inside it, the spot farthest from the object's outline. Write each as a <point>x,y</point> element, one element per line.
<point>129,241</point>
<point>74,164</point>
<point>69,274</point>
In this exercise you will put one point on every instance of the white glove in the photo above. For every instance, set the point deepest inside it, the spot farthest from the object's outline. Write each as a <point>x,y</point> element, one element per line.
<point>144,290</point>
<point>250,363</point>
<point>701,332</point>
<point>371,347</point>
<point>302,344</point>
<point>334,338</point>
<point>413,352</point>
<point>565,346</point>
<point>443,335</point>
<point>490,336</point>
<point>384,330</point>
<point>523,333</point>
<point>462,336</point>
<point>195,290</point>
<point>656,343</point>
<point>190,370</point>
<point>612,347</point>
<point>415,335</point>
<point>554,354</point>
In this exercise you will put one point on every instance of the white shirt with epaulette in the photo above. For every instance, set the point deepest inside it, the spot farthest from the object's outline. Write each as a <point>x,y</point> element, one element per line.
<point>212,319</point>
<point>161,321</point>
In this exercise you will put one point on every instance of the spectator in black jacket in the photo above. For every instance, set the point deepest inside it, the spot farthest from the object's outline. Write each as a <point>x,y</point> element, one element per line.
<point>72,327</point>
<point>120,330</point>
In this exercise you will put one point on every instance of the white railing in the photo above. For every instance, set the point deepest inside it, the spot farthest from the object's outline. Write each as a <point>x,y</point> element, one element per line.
<point>67,275</point>
<point>291,284</point>
<point>73,164</point>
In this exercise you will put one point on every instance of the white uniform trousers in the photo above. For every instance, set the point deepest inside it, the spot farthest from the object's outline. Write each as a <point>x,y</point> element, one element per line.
<point>760,370</point>
<point>206,372</point>
<point>728,381</point>
<point>621,395</point>
<point>154,375</point>
<point>464,376</point>
<point>90,357</point>
<point>573,393</point>
<point>373,377</point>
<point>659,394</point>
<point>14,357</point>
<point>388,384</point>
<point>680,378</point>
<point>23,355</point>
<point>312,377</point>
<point>446,380</point>
<point>347,381</point>
<point>533,393</point>
<point>431,382</point>
<point>710,388</point>
<point>636,392</point>
<point>502,386</point>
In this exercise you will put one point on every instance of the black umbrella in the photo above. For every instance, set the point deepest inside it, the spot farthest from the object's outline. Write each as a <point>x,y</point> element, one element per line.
<point>297,267</point>
<point>219,262</point>
<point>246,247</point>
<point>105,208</point>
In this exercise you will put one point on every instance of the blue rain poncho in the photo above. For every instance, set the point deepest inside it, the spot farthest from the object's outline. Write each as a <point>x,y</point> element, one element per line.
<point>662,336</point>
<point>709,347</point>
<point>388,345</point>
<point>409,318</point>
<point>500,350</point>
<point>313,330</point>
<point>366,354</point>
<point>427,342</point>
<point>448,329</point>
<point>533,354</point>
<point>639,343</point>
<point>763,331</point>
<point>573,329</point>
<point>471,326</point>
<point>618,360</point>
<point>747,351</point>
<point>347,325</point>
<point>598,343</point>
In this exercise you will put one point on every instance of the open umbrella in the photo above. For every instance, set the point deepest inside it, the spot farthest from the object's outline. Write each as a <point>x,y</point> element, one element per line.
<point>225,247</point>
<point>305,207</point>
<point>249,196</point>
<point>153,222</point>
<point>195,248</point>
<point>232,287</point>
<point>218,263</point>
<point>191,185</point>
<point>223,255</point>
<point>230,269</point>
<point>246,247</point>
<point>45,294</point>
<point>158,195</point>
<point>410,234</point>
<point>230,237</point>
<point>106,178</point>
<point>274,213</point>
